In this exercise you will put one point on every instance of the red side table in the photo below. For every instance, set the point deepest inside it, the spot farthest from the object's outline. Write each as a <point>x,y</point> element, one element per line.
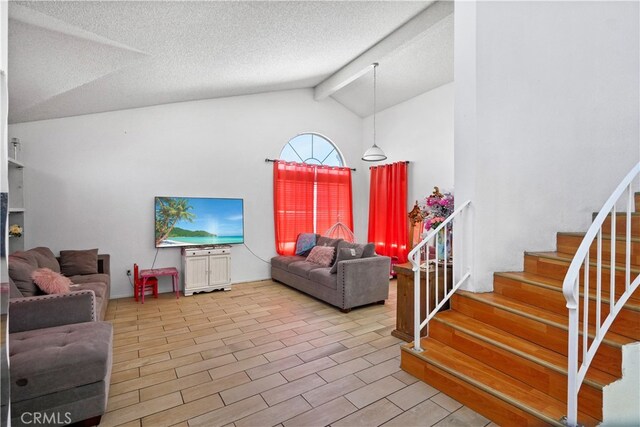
<point>156,272</point>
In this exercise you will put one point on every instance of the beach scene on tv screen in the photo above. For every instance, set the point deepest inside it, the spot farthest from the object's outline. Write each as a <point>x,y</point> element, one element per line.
<point>184,221</point>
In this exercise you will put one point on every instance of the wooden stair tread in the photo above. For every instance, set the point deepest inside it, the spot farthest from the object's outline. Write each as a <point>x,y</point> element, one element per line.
<point>570,242</point>
<point>494,382</point>
<point>522,347</point>
<point>554,284</point>
<point>594,214</point>
<point>538,314</point>
<point>604,236</point>
<point>560,256</point>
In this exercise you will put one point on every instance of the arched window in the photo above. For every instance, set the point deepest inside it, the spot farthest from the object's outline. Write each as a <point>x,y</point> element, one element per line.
<point>312,149</point>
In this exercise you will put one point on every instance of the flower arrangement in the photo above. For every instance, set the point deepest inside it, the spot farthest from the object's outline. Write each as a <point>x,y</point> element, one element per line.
<point>437,208</point>
<point>15,230</point>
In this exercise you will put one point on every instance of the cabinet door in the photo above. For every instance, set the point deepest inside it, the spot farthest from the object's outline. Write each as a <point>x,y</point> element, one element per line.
<point>220,274</point>
<point>196,274</point>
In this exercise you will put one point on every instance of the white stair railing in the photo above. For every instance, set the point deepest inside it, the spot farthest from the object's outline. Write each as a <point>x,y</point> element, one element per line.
<point>454,225</point>
<point>572,287</point>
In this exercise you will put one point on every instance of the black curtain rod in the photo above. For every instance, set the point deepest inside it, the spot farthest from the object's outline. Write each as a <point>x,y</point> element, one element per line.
<point>401,161</point>
<point>273,161</point>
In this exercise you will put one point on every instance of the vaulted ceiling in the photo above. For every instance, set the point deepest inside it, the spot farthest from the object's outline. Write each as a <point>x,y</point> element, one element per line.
<point>73,58</point>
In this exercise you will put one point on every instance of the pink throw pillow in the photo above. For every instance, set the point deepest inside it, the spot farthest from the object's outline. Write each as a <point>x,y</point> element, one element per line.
<point>322,255</point>
<point>51,282</point>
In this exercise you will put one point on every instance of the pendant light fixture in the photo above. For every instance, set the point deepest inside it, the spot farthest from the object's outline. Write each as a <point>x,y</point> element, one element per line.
<point>374,154</point>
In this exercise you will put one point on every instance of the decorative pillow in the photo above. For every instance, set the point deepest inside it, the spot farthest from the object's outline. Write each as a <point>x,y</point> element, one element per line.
<point>45,258</point>
<point>74,263</point>
<point>14,292</point>
<point>20,272</point>
<point>369,250</point>
<point>328,241</point>
<point>51,282</point>
<point>304,244</point>
<point>27,257</point>
<point>322,255</point>
<point>357,246</point>
<point>345,254</point>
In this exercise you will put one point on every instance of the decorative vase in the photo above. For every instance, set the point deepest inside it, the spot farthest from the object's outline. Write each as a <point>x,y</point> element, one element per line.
<point>443,247</point>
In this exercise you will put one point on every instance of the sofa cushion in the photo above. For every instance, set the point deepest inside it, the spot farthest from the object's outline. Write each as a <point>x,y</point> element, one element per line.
<point>327,241</point>
<point>100,290</point>
<point>45,258</point>
<point>73,263</point>
<point>14,292</point>
<point>305,242</point>
<point>302,268</point>
<point>283,261</point>
<point>51,282</point>
<point>25,256</point>
<point>359,247</point>
<point>20,272</point>
<point>90,278</point>
<point>322,255</point>
<point>369,250</point>
<point>345,254</point>
<point>45,361</point>
<point>323,276</point>
<point>366,250</point>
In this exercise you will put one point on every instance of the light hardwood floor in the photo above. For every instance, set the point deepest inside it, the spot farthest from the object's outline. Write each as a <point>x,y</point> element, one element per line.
<point>263,354</point>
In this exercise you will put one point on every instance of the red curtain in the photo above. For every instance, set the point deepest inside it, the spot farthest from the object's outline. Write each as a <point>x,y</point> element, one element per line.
<point>388,210</point>
<point>293,203</point>
<point>334,198</point>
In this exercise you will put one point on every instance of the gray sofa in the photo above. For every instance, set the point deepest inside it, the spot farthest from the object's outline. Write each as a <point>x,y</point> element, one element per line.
<point>356,282</point>
<point>22,264</point>
<point>59,350</point>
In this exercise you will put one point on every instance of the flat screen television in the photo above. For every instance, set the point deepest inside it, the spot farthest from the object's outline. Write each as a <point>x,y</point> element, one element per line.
<point>197,221</point>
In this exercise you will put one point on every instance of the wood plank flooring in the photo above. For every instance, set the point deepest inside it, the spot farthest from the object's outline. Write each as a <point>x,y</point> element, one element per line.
<point>263,354</point>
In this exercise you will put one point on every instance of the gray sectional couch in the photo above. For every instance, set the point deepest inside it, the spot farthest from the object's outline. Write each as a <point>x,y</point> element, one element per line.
<point>356,282</point>
<point>60,350</point>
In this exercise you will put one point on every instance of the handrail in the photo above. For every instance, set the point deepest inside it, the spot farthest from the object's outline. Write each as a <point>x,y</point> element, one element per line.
<point>571,290</point>
<point>414,258</point>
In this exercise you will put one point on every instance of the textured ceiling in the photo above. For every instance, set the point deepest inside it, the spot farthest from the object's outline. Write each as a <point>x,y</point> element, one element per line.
<point>72,58</point>
<point>415,68</point>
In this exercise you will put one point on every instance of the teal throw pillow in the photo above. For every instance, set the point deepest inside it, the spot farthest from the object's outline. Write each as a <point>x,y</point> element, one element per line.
<point>304,244</point>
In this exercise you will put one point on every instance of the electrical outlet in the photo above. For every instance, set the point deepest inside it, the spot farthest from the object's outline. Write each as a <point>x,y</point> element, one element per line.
<point>128,272</point>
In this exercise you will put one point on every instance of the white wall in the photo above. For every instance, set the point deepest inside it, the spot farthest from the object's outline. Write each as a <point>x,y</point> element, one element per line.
<point>90,181</point>
<point>419,130</point>
<point>621,398</point>
<point>547,119</point>
<point>4,239</point>
<point>4,54</point>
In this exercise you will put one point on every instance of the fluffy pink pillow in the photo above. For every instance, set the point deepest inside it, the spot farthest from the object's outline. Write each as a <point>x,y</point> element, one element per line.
<point>51,282</point>
<point>322,255</point>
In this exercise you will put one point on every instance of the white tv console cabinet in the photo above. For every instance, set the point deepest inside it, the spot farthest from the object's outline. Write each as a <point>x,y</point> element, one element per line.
<point>206,269</point>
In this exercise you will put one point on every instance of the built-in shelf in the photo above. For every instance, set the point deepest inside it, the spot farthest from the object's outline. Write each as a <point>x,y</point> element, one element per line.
<point>15,175</point>
<point>14,162</point>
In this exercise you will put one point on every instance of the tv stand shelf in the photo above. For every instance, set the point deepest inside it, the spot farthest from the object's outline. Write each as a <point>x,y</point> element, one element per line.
<point>206,269</point>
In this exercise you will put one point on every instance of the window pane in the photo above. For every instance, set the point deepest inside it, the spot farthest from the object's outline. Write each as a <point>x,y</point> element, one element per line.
<point>334,159</point>
<point>322,149</point>
<point>302,145</point>
<point>289,155</point>
<point>312,149</point>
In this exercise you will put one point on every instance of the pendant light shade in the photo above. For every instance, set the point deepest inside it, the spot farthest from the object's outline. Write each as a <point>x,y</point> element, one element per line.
<point>375,153</point>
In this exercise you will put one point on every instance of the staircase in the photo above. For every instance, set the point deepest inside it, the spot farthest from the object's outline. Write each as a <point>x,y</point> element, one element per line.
<point>504,353</point>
